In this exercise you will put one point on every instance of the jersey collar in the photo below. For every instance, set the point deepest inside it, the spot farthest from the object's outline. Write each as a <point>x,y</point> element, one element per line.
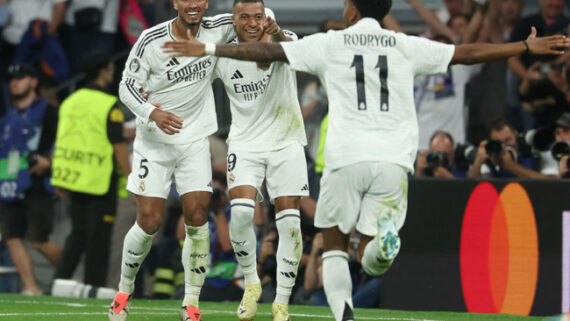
<point>369,22</point>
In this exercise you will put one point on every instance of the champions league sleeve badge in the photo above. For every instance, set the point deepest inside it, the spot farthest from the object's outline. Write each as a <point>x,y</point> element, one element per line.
<point>135,65</point>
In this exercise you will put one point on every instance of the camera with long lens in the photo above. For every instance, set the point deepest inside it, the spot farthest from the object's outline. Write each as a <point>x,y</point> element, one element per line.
<point>538,140</point>
<point>435,159</point>
<point>465,155</point>
<point>559,150</point>
<point>494,149</point>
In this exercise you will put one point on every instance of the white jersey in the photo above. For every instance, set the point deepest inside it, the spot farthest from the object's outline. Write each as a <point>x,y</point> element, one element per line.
<point>368,73</point>
<point>265,110</point>
<point>181,85</point>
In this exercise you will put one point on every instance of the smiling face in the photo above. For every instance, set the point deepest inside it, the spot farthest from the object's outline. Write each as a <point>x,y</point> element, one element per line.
<point>248,19</point>
<point>190,11</point>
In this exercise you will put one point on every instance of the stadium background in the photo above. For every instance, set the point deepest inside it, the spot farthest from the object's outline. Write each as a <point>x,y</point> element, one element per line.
<point>434,228</point>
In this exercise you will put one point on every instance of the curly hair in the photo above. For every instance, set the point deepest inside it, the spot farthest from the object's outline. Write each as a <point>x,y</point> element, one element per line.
<point>376,9</point>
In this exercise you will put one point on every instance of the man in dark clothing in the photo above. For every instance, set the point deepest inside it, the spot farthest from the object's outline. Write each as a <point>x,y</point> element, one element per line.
<point>26,200</point>
<point>89,146</point>
<point>549,21</point>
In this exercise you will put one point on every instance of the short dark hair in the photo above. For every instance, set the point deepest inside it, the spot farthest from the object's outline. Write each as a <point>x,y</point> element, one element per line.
<point>376,9</point>
<point>95,61</point>
<point>498,125</point>
<point>247,1</point>
<point>442,133</point>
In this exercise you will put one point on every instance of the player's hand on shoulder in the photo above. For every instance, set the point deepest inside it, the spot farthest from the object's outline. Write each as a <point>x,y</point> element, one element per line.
<point>169,123</point>
<point>551,45</point>
<point>180,48</point>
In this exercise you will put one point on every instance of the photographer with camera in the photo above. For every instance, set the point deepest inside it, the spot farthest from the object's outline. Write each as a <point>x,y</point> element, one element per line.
<point>26,199</point>
<point>561,148</point>
<point>439,160</point>
<point>545,90</point>
<point>500,157</point>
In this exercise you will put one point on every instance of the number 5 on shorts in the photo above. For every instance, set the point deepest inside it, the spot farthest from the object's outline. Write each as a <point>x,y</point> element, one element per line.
<point>143,172</point>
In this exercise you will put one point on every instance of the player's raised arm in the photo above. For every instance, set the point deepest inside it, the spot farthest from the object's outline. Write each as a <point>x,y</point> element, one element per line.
<point>481,52</point>
<point>254,51</point>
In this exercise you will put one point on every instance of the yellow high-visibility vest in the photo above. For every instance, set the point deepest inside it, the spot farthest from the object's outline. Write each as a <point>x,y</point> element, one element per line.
<point>83,156</point>
<point>320,161</point>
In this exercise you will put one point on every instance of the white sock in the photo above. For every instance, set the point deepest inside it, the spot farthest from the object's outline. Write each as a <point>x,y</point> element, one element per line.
<point>372,264</point>
<point>337,282</point>
<point>243,239</point>
<point>135,249</point>
<point>195,254</point>
<point>289,252</point>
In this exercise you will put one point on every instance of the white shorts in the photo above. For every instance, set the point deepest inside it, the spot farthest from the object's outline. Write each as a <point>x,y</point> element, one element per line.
<point>357,195</point>
<point>155,165</point>
<point>284,170</point>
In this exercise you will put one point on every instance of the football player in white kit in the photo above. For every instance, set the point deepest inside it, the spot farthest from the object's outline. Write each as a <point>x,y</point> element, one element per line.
<point>372,137</point>
<point>171,144</point>
<point>266,141</point>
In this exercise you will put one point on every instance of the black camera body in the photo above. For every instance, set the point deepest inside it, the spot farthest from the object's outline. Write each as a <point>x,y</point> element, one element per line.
<point>494,149</point>
<point>435,159</point>
<point>559,150</point>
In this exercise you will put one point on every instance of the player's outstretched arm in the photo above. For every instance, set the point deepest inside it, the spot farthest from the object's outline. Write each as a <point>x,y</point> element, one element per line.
<point>254,51</point>
<point>477,53</point>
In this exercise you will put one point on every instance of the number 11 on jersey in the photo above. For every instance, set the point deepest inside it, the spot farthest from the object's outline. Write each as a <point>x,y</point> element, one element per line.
<point>358,64</point>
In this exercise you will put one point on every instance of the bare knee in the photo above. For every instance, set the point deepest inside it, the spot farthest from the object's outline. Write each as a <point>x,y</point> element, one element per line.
<point>287,202</point>
<point>195,208</point>
<point>150,212</point>
<point>196,214</point>
<point>334,239</point>
<point>149,219</point>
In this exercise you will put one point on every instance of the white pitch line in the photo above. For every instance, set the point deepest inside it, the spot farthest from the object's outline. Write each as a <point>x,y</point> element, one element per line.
<point>205,313</point>
<point>161,311</point>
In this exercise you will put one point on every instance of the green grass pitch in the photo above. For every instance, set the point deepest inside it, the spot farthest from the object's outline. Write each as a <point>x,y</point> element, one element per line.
<point>46,308</point>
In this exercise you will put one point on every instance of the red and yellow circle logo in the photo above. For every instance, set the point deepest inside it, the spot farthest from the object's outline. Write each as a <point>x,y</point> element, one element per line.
<point>499,251</point>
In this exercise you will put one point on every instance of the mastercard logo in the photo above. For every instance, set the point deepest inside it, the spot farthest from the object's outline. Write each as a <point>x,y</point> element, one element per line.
<point>499,251</point>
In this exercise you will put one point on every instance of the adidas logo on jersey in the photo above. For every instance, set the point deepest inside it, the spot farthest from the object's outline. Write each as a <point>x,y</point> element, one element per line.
<point>237,75</point>
<point>173,62</point>
<point>305,188</point>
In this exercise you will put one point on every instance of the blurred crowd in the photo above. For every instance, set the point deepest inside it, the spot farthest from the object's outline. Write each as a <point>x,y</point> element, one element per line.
<point>503,119</point>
